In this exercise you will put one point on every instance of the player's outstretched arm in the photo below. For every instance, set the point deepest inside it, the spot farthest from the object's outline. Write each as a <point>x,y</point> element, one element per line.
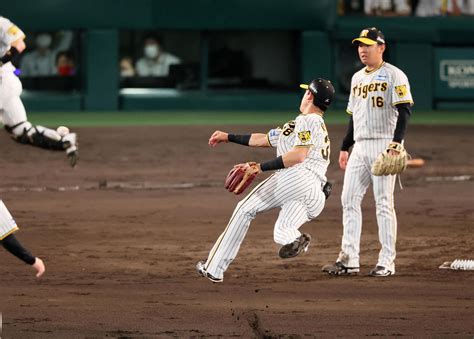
<point>252,140</point>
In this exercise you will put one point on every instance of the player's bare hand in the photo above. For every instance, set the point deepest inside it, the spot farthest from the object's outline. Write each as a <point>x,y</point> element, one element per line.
<point>217,137</point>
<point>39,267</point>
<point>246,165</point>
<point>343,158</point>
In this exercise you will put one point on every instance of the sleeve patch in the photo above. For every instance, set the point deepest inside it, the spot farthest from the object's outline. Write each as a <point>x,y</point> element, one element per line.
<point>272,133</point>
<point>401,90</point>
<point>304,136</point>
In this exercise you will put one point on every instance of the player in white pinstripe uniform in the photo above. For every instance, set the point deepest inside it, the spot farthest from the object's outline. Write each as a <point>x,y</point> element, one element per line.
<point>379,105</point>
<point>296,187</point>
<point>12,111</point>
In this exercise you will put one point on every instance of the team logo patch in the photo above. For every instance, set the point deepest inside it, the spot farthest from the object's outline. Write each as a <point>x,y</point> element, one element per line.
<point>401,90</point>
<point>304,136</point>
<point>364,33</point>
<point>13,30</point>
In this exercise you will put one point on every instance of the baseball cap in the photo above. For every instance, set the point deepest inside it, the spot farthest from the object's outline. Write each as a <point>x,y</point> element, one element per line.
<point>322,90</point>
<point>370,36</point>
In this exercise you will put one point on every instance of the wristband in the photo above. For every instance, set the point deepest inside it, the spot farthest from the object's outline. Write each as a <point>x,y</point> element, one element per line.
<point>241,139</point>
<point>272,165</point>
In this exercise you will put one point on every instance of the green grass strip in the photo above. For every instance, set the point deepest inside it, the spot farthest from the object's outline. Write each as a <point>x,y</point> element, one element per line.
<point>147,118</point>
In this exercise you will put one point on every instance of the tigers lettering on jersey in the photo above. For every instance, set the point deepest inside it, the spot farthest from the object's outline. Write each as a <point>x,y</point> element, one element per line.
<point>364,90</point>
<point>373,99</point>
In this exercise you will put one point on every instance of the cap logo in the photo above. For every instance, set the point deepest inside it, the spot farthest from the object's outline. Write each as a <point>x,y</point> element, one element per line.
<point>364,33</point>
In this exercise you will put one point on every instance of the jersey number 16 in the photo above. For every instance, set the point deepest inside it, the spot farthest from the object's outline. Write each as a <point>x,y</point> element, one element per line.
<point>377,102</point>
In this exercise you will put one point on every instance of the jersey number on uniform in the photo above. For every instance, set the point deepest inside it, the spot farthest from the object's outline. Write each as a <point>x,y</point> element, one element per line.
<point>326,151</point>
<point>377,102</point>
<point>288,128</point>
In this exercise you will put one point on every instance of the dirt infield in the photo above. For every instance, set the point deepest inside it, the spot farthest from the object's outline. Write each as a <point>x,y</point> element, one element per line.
<point>121,233</point>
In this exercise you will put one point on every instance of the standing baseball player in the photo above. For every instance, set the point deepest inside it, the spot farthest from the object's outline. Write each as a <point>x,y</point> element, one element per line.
<point>379,105</point>
<point>296,187</point>
<point>12,111</point>
<point>11,244</point>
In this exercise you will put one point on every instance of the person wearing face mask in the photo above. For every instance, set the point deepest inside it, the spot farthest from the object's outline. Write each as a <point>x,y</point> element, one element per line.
<point>156,62</point>
<point>12,111</point>
<point>41,61</point>
<point>65,64</point>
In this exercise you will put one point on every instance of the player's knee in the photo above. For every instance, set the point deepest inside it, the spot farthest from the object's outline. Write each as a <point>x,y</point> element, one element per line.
<point>349,199</point>
<point>244,208</point>
<point>383,207</point>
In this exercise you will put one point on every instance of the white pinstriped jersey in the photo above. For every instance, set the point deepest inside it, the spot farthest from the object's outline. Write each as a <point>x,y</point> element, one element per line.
<point>7,223</point>
<point>373,98</point>
<point>306,130</point>
<point>8,33</point>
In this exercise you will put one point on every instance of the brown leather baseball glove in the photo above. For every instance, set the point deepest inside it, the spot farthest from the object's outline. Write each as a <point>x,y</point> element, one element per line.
<point>241,176</point>
<point>387,163</point>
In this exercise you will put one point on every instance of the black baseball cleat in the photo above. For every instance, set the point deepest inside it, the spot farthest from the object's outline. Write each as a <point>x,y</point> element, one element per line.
<point>380,271</point>
<point>200,268</point>
<point>296,247</point>
<point>339,269</point>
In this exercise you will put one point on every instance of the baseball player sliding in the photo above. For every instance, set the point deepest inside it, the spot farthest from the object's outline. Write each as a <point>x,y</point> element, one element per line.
<point>379,105</point>
<point>296,187</point>
<point>11,244</point>
<point>12,111</point>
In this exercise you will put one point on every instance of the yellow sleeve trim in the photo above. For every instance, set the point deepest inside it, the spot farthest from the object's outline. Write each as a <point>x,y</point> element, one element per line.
<point>10,232</point>
<point>305,146</point>
<point>348,112</point>
<point>403,102</point>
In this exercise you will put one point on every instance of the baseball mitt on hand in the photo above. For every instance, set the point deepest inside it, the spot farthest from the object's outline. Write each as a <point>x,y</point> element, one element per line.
<point>387,163</point>
<point>240,177</point>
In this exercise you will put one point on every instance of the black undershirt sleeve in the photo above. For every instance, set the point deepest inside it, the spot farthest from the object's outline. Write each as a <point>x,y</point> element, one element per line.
<point>348,140</point>
<point>13,246</point>
<point>404,113</point>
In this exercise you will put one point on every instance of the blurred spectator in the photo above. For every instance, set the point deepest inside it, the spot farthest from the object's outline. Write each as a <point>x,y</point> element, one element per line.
<point>126,67</point>
<point>348,7</point>
<point>445,7</point>
<point>466,7</point>
<point>65,64</point>
<point>156,62</point>
<point>387,7</point>
<point>41,61</point>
